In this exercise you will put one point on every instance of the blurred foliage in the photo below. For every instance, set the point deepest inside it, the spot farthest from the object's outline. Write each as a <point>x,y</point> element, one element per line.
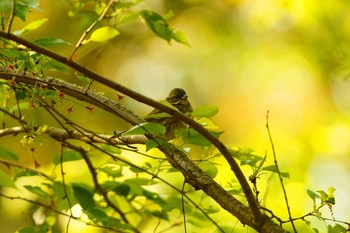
<point>245,56</point>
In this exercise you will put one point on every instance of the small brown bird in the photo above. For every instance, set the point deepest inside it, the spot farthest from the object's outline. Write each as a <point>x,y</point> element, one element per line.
<point>178,98</point>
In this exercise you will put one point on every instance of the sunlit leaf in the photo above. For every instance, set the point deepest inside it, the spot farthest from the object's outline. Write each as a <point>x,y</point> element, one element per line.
<point>25,173</point>
<point>37,190</point>
<point>273,168</point>
<point>337,228</point>
<point>235,191</point>
<point>331,191</point>
<point>112,171</point>
<point>158,214</point>
<point>63,196</point>
<point>146,128</point>
<point>175,202</point>
<point>191,136</point>
<point>205,111</point>
<point>103,34</point>
<point>13,53</point>
<point>138,181</point>
<point>323,195</point>
<point>6,5</point>
<point>67,155</point>
<point>96,214</point>
<point>207,123</point>
<point>31,26</point>
<point>128,17</point>
<point>331,198</point>
<point>110,149</point>
<point>8,154</point>
<point>150,144</point>
<point>155,197</point>
<point>49,41</point>
<point>35,229</point>
<point>5,180</point>
<point>180,36</point>
<point>208,168</point>
<point>312,194</point>
<point>84,195</point>
<point>54,65</point>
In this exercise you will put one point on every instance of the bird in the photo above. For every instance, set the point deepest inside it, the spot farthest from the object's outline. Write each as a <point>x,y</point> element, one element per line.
<point>179,99</point>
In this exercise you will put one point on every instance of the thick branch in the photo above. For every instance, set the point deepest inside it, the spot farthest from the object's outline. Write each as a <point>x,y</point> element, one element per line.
<point>143,99</point>
<point>75,91</point>
<point>62,135</point>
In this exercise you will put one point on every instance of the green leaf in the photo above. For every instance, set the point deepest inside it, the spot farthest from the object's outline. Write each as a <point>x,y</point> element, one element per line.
<point>157,24</point>
<point>155,197</point>
<point>103,34</point>
<point>110,149</point>
<point>158,214</point>
<point>127,17</point>
<point>31,26</point>
<point>146,128</point>
<point>337,228</point>
<point>8,154</point>
<point>138,181</point>
<point>96,214</point>
<point>191,136</point>
<point>67,155</point>
<point>112,171</point>
<point>21,94</point>
<point>54,65</point>
<point>312,194</point>
<point>84,195</point>
<point>63,196</point>
<point>37,190</point>
<point>6,6</point>
<point>25,173</point>
<point>208,168</point>
<point>49,41</point>
<point>23,7</point>
<point>150,144</point>
<point>323,194</point>
<point>122,189</point>
<point>237,191</point>
<point>180,37</point>
<point>99,215</point>
<point>11,53</point>
<point>36,229</point>
<point>273,168</point>
<point>6,180</point>
<point>205,111</point>
<point>175,202</point>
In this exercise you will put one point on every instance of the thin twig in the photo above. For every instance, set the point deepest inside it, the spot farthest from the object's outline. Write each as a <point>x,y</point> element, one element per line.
<point>60,213</point>
<point>278,172</point>
<point>65,189</point>
<point>12,16</point>
<point>183,206</point>
<point>93,173</point>
<point>102,15</point>
<point>258,217</point>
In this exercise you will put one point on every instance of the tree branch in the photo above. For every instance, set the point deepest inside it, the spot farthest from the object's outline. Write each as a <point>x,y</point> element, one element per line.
<point>258,217</point>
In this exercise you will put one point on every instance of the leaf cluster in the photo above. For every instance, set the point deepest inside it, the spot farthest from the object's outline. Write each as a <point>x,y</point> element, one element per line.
<point>129,186</point>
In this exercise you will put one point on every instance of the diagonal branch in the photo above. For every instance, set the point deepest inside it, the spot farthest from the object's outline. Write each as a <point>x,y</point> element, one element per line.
<point>258,217</point>
<point>193,175</point>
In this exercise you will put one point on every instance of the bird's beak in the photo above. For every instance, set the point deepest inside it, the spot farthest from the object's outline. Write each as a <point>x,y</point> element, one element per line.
<point>184,97</point>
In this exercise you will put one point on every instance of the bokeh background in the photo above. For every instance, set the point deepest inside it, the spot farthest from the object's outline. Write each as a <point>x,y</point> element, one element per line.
<point>247,57</point>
